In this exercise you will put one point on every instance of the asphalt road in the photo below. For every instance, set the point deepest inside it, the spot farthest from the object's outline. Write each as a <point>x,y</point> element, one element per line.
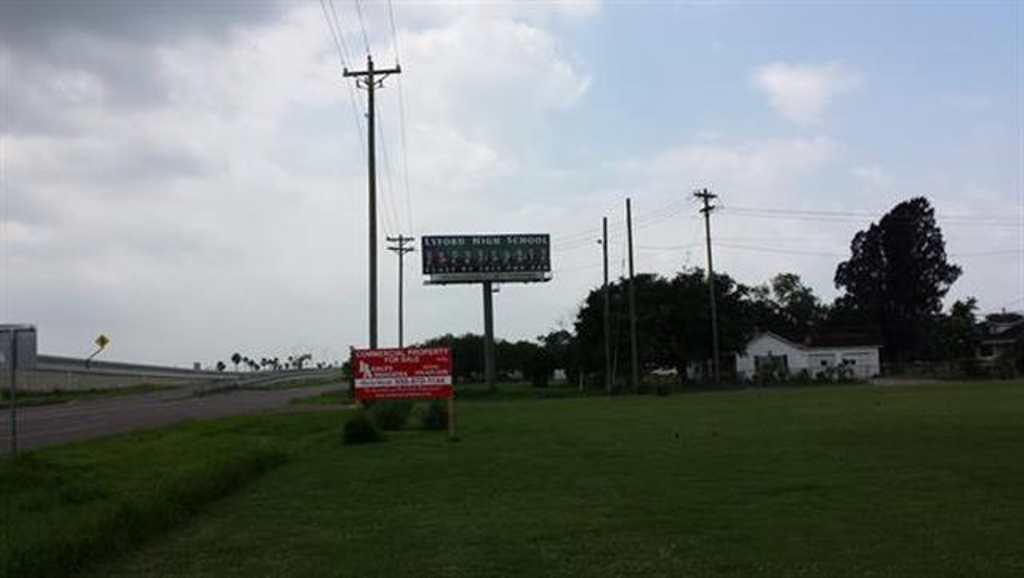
<point>56,424</point>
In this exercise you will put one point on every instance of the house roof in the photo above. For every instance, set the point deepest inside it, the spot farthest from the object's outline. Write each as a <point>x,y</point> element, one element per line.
<point>1002,332</point>
<point>842,339</point>
<point>824,340</point>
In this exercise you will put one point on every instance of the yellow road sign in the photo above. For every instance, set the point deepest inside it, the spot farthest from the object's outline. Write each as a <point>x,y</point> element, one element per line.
<point>102,341</point>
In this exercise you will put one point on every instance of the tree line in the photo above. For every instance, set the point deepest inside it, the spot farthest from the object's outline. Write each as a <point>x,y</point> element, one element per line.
<point>893,286</point>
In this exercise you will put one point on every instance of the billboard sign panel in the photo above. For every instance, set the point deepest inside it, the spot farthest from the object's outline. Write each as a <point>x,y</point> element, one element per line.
<point>411,372</point>
<point>478,258</point>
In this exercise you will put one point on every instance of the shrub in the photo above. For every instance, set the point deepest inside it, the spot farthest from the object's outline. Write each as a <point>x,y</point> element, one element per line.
<point>436,416</point>
<point>390,414</point>
<point>361,429</point>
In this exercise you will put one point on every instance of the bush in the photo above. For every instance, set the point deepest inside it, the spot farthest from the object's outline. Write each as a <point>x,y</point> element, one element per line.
<point>436,416</point>
<point>390,414</point>
<point>361,429</point>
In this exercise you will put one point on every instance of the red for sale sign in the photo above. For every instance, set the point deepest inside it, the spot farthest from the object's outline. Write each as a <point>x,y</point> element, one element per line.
<point>398,373</point>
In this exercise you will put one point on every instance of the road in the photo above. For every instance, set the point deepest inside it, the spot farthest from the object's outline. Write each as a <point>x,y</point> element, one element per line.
<point>56,424</point>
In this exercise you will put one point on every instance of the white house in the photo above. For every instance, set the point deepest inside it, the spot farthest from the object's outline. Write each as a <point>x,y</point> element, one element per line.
<point>818,354</point>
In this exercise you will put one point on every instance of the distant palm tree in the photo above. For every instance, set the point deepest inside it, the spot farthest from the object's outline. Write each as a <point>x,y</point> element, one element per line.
<point>236,358</point>
<point>220,366</point>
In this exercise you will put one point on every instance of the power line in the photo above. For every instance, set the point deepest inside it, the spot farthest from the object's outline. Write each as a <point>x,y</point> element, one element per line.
<point>824,215</point>
<point>776,251</point>
<point>401,117</point>
<point>394,32</point>
<point>643,220</point>
<point>362,26</point>
<point>390,203</point>
<point>342,50</point>
<point>786,251</point>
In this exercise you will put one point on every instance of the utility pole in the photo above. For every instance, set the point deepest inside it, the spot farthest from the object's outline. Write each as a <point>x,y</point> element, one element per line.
<point>400,249</point>
<point>489,364</point>
<point>634,349</point>
<point>607,310</point>
<point>370,80</point>
<point>12,364</point>
<point>707,196</point>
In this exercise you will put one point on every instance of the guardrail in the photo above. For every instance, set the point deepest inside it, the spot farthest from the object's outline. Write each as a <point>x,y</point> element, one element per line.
<point>54,372</point>
<point>61,363</point>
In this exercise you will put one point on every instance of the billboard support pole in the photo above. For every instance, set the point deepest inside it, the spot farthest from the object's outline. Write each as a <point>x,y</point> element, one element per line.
<point>489,369</point>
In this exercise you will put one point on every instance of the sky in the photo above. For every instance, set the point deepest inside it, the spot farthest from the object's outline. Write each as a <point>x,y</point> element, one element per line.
<point>189,178</point>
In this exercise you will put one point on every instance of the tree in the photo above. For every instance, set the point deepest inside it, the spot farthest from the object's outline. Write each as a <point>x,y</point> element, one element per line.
<point>221,366</point>
<point>467,354</point>
<point>301,360</point>
<point>562,349</point>
<point>954,336</point>
<point>236,358</point>
<point>673,321</point>
<point>897,275</point>
<point>787,307</point>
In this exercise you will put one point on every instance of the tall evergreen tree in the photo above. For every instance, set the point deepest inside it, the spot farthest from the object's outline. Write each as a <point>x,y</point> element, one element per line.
<point>897,275</point>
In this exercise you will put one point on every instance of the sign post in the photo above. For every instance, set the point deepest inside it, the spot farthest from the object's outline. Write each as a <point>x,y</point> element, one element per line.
<point>405,373</point>
<point>486,259</point>
<point>17,352</point>
<point>101,343</point>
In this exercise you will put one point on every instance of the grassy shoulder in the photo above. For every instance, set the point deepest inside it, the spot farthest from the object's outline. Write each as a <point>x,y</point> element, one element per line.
<point>510,391</point>
<point>297,383</point>
<point>70,505</point>
<point>53,397</point>
<point>837,482</point>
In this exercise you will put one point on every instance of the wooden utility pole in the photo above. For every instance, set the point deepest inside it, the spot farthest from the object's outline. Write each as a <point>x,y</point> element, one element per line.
<point>607,311</point>
<point>12,364</point>
<point>371,79</point>
<point>634,349</point>
<point>400,249</point>
<point>707,196</point>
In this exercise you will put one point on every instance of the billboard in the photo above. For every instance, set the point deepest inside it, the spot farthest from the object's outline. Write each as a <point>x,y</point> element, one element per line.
<point>402,373</point>
<point>478,258</point>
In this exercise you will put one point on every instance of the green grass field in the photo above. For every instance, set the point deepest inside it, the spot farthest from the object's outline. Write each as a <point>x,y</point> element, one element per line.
<point>832,482</point>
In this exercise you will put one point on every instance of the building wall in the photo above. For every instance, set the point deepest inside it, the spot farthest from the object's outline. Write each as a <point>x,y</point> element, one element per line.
<point>862,360</point>
<point>766,345</point>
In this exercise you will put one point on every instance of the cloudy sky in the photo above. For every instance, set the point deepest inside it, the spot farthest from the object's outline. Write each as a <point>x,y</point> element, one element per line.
<point>189,177</point>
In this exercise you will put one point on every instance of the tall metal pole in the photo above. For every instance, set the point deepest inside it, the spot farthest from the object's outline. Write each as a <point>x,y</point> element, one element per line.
<point>489,365</point>
<point>370,81</point>
<point>400,249</point>
<point>607,311</point>
<point>706,196</point>
<point>634,348</point>
<point>12,364</point>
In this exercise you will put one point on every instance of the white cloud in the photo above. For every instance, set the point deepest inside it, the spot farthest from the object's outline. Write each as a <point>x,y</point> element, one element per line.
<point>228,212</point>
<point>874,178</point>
<point>802,93</point>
